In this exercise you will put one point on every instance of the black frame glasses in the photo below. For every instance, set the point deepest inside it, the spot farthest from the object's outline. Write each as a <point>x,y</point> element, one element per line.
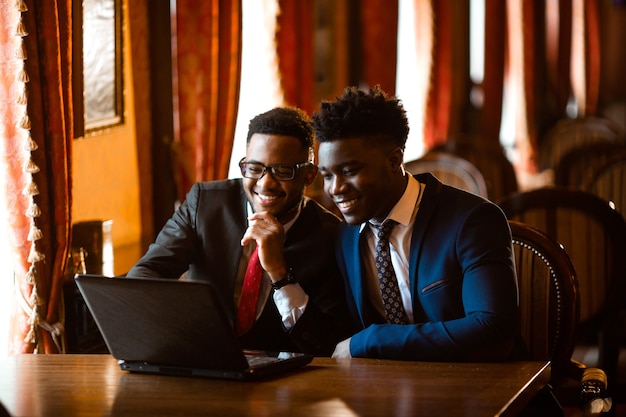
<point>280,172</point>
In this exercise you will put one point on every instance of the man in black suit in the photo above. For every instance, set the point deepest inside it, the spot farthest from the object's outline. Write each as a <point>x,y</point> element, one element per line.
<point>301,305</point>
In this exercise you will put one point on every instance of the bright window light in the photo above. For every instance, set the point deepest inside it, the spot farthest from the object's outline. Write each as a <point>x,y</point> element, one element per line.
<point>411,79</point>
<point>260,88</point>
<point>477,41</point>
<point>6,275</point>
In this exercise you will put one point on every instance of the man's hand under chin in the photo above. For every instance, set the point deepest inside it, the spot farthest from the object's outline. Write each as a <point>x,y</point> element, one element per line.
<point>342,350</point>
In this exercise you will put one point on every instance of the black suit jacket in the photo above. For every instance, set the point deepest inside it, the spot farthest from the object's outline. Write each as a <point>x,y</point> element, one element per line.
<point>203,237</point>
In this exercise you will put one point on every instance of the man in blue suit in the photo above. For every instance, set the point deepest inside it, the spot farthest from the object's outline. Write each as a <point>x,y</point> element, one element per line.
<point>451,251</point>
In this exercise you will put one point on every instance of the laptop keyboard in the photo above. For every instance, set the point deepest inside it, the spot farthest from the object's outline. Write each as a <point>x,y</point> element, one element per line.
<point>260,360</point>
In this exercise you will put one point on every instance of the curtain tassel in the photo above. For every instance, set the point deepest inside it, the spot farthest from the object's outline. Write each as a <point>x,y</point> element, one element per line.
<point>33,211</point>
<point>35,255</point>
<point>20,5</point>
<point>30,336</point>
<point>30,277</point>
<point>34,233</point>
<point>21,52</point>
<point>33,321</point>
<point>31,145</point>
<point>25,122</point>
<point>35,300</point>
<point>31,189</point>
<point>20,30</point>
<point>22,98</point>
<point>22,76</point>
<point>56,330</point>
<point>31,167</point>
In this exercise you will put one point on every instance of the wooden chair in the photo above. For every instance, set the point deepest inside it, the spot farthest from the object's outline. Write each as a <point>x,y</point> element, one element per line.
<point>608,181</point>
<point>549,309</point>
<point>568,134</point>
<point>450,169</point>
<point>488,156</point>
<point>578,164</point>
<point>616,111</point>
<point>594,236</point>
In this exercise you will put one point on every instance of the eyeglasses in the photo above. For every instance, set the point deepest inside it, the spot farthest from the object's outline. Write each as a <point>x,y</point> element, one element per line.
<point>280,172</point>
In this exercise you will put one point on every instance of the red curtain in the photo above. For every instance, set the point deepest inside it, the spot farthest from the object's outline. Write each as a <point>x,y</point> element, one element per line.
<point>207,68</point>
<point>448,92</point>
<point>493,82</point>
<point>592,55</point>
<point>378,43</point>
<point>40,213</point>
<point>439,93</point>
<point>558,56</point>
<point>294,47</point>
<point>529,33</point>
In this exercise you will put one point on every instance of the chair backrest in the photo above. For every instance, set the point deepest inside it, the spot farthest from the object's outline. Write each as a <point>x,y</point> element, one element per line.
<point>548,297</point>
<point>488,156</point>
<point>568,134</point>
<point>594,236</point>
<point>616,111</point>
<point>450,169</point>
<point>608,182</point>
<point>578,164</point>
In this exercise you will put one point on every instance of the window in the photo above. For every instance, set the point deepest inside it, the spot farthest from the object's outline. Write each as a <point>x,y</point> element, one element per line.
<point>98,62</point>
<point>411,89</point>
<point>260,88</point>
<point>6,274</point>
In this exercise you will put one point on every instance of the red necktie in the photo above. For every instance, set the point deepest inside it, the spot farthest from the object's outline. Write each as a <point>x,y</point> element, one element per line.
<point>246,312</point>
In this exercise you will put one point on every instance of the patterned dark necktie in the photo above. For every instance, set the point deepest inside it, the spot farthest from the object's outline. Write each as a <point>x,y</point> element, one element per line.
<point>246,312</point>
<point>387,277</point>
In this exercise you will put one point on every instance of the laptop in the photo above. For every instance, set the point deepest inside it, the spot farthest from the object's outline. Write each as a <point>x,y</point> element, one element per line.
<point>174,327</point>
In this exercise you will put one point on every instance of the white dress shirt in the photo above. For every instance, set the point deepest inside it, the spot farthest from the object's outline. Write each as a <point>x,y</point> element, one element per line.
<point>291,300</point>
<point>403,213</point>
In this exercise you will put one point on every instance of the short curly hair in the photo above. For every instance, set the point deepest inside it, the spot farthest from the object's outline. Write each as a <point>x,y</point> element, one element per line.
<point>357,113</point>
<point>287,121</point>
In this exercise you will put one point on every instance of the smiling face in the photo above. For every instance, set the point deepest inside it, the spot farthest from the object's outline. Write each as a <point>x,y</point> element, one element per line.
<point>363,180</point>
<point>268,194</point>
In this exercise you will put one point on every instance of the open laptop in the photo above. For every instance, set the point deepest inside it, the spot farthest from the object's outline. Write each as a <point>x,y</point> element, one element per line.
<point>173,327</point>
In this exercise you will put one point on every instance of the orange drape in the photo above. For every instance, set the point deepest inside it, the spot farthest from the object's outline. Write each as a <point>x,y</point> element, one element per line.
<point>40,229</point>
<point>493,82</point>
<point>207,68</point>
<point>439,94</point>
<point>558,57</point>
<point>529,33</point>
<point>592,55</point>
<point>518,79</point>
<point>586,57</point>
<point>294,45</point>
<point>378,42</point>
<point>448,93</point>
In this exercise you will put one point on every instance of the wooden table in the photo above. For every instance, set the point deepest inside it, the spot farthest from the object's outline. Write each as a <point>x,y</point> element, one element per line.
<point>93,385</point>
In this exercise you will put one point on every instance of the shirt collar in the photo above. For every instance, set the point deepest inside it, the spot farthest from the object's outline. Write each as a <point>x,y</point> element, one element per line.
<point>402,212</point>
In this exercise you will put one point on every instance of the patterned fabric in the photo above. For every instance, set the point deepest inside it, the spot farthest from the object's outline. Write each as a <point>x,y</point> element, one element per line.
<point>387,278</point>
<point>37,140</point>
<point>249,294</point>
<point>208,69</point>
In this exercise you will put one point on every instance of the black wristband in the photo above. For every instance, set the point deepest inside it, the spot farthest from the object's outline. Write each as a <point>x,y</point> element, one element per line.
<point>289,279</point>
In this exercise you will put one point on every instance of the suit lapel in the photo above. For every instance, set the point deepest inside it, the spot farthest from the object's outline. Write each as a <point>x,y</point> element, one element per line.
<point>424,214</point>
<point>352,251</point>
<point>352,242</point>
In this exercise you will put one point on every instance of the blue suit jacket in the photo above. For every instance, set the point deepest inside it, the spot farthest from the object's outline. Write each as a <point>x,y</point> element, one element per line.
<point>462,281</point>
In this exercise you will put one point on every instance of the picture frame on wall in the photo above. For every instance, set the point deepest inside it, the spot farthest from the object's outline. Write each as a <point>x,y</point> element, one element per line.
<point>97,64</point>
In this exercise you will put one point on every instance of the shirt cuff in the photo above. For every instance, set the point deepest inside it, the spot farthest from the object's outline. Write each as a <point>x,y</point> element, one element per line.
<point>291,301</point>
